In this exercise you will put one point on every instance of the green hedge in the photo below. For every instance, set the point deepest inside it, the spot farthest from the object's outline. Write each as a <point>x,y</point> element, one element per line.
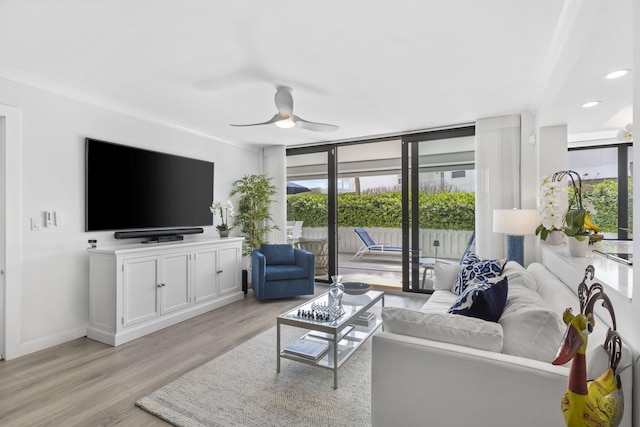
<point>604,196</point>
<point>440,211</point>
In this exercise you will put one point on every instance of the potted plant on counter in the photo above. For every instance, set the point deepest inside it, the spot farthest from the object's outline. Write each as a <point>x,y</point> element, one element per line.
<point>225,210</point>
<point>578,226</point>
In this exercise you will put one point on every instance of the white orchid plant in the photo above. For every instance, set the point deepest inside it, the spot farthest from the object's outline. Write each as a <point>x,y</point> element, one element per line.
<point>576,220</point>
<point>553,205</point>
<point>225,209</point>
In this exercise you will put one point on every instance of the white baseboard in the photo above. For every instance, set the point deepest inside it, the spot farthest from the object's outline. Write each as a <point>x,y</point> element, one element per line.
<point>50,341</point>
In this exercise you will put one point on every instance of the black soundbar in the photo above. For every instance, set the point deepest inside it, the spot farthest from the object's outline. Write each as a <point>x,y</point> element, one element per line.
<point>165,234</point>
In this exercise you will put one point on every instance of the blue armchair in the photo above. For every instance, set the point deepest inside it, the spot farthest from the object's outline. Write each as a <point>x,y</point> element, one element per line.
<point>281,271</point>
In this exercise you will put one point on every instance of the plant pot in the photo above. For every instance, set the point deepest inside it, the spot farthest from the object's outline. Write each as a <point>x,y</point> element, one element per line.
<point>554,238</point>
<point>223,233</point>
<point>578,248</point>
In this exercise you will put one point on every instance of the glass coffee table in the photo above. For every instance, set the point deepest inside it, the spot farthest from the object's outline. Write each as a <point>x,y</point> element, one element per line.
<point>350,330</point>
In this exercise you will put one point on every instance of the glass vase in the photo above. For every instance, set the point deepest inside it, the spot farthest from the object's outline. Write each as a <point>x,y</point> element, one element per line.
<point>336,291</point>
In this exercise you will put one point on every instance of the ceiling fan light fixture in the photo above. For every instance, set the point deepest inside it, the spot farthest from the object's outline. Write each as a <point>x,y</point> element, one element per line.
<point>617,73</point>
<point>590,104</point>
<point>285,123</point>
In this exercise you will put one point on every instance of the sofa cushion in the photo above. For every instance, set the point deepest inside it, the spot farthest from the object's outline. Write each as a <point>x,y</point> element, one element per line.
<point>485,300</point>
<point>531,329</point>
<point>278,254</point>
<point>444,327</point>
<point>474,269</point>
<point>519,276</point>
<point>440,301</point>
<point>444,276</point>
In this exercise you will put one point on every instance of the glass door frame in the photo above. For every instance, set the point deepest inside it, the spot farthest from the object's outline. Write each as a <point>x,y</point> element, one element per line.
<point>332,201</point>
<point>410,200</point>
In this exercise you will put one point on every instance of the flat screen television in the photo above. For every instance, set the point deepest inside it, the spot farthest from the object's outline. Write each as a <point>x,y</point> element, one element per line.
<point>129,188</point>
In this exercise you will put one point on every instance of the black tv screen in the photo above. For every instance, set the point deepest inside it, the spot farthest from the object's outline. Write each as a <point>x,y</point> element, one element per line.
<point>129,188</point>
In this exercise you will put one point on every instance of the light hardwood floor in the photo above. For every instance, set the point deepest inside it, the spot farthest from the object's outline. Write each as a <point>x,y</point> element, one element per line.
<point>87,383</point>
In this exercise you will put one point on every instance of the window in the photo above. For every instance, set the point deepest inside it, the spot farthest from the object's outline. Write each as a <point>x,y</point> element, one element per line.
<point>607,186</point>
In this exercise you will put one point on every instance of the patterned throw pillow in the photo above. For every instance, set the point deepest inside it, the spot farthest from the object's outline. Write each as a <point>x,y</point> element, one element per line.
<point>474,269</point>
<point>485,300</point>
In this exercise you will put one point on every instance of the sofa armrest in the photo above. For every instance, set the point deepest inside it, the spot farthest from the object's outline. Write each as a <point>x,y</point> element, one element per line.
<point>449,384</point>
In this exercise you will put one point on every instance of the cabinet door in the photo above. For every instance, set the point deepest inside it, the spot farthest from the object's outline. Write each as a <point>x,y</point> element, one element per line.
<point>229,271</point>
<point>140,290</point>
<point>205,276</point>
<point>175,282</point>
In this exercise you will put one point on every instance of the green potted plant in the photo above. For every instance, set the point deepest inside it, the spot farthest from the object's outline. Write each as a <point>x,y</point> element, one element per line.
<point>253,218</point>
<point>578,225</point>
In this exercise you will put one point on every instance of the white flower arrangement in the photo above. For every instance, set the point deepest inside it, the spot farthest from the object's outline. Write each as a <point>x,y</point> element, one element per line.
<point>553,205</point>
<point>225,209</point>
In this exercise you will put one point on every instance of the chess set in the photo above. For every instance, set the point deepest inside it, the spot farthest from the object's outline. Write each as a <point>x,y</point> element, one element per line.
<point>322,312</point>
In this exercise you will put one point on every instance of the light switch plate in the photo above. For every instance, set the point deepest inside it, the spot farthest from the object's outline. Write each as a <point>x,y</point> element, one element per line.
<point>58,218</point>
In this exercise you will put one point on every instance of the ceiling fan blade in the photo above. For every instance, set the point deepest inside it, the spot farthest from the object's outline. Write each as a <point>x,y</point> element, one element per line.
<point>314,126</point>
<point>274,119</point>
<point>284,101</point>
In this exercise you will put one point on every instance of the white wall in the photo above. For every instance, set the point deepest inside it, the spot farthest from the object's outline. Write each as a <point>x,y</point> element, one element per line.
<point>636,172</point>
<point>51,288</point>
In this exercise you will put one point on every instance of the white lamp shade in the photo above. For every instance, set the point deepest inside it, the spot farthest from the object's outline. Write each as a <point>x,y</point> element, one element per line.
<point>515,222</point>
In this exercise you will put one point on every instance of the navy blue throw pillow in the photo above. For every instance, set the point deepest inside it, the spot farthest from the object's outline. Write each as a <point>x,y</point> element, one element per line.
<point>485,300</point>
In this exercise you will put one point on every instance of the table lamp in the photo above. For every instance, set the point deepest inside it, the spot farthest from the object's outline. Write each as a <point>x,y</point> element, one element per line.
<point>515,223</point>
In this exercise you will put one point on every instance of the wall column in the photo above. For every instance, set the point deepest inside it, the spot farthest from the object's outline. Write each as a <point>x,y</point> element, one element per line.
<point>274,166</point>
<point>498,178</point>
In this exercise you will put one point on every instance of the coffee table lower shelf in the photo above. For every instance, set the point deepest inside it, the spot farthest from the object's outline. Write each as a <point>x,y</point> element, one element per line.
<point>350,337</point>
<point>346,346</point>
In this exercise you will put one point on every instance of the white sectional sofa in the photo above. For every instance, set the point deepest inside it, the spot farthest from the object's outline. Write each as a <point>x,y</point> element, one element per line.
<point>432,368</point>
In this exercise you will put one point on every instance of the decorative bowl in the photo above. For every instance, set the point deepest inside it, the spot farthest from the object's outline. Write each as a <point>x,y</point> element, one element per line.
<point>356,288</point>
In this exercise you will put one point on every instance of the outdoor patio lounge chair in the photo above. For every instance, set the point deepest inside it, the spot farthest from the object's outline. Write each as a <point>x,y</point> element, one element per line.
<point>369,246</point>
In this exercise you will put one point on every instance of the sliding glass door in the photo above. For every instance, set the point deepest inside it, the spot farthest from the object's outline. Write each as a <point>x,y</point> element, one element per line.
<point>384,211</point>
<point>311,205</point>
<point>369,206</point>
<point>439,202</point>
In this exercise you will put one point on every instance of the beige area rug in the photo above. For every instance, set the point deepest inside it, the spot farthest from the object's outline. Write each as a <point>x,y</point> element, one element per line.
<point>242,388</point>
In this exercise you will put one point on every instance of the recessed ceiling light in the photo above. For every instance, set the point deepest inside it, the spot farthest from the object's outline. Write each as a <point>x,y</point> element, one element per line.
<point>616,74</point>
<point>590,104</point>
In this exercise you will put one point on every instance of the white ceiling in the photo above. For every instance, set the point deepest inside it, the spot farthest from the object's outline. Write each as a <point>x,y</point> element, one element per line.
<point>370,67</point>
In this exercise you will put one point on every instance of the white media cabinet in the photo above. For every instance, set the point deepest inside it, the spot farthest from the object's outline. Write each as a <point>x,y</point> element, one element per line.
<point>141,288</point>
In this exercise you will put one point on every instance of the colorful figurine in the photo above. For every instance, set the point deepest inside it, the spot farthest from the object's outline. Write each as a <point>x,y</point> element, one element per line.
<point>599,402</point>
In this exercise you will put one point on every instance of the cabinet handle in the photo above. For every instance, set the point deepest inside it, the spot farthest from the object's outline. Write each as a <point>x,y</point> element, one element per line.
<point>219,271</point>
<point>161,285</point>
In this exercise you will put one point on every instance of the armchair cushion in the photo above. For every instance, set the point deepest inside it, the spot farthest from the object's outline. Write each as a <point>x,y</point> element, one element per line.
<point>278,254</point>
<point>285,272</point>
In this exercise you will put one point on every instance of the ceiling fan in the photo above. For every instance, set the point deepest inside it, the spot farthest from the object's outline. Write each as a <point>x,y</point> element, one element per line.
<point>285,118</point>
